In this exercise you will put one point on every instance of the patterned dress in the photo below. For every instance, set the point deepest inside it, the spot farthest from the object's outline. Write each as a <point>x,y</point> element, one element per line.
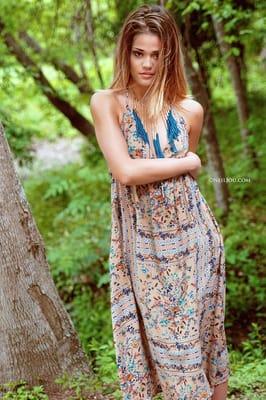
<point>167,278</point>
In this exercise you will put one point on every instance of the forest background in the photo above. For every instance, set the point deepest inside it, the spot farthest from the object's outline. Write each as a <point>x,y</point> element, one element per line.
<point>54,54</point>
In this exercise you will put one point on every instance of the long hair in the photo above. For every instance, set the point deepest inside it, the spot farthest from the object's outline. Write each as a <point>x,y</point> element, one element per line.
<point>170,83</point>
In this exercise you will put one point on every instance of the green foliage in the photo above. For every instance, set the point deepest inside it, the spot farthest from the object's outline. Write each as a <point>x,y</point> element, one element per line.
<point>248,367</point>
<point>72,204</point>
<point>94,328</point>
<point>105,365</point>
<point>19,390</point>
<point>85,387</point>
<point>19,138</point>
<point>245,257</point>
<point>79,227</point>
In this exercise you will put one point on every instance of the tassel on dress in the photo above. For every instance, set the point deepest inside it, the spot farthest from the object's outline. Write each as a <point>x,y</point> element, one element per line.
<point>173,130</point>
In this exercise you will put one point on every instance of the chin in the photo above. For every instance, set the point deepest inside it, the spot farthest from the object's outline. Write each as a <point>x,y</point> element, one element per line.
<point>143,83</point>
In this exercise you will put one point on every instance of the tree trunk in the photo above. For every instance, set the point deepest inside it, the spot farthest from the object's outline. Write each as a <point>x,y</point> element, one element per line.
<point>90,35</point>
<point>201,92</point>
<point>38,341</point>
<point>239,87</point>
<point>215,162</point>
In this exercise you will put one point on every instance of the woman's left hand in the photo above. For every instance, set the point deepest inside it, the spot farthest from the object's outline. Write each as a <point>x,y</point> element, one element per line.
<point>194,172</point>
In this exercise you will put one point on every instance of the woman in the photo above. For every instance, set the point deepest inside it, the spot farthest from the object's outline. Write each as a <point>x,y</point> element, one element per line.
<point>167,266</point>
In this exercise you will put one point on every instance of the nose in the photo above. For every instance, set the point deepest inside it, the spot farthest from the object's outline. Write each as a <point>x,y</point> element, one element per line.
<point>147,62</point>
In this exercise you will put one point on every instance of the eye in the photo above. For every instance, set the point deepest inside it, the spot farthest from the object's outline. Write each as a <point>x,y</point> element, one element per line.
<point>137,53</point>
<point>155,56</point>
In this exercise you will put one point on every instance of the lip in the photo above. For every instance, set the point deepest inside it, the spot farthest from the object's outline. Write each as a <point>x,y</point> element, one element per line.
<point>146,75</point>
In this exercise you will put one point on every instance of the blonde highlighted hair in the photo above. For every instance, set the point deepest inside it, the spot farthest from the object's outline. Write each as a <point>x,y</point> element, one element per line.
<point>170,83</point>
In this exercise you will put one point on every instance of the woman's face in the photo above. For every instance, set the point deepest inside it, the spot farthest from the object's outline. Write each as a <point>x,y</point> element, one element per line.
<point>144,58</point>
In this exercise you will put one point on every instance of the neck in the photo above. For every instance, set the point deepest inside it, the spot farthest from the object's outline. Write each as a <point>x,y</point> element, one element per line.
<point>138,91</point>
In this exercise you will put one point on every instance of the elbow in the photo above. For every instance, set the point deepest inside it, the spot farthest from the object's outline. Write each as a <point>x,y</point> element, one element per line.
<point>124,179</point>
<point>126,176</point>
<point>125,172</point>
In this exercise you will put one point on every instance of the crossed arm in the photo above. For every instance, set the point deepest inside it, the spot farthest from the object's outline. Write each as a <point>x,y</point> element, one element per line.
<point>131,171</point>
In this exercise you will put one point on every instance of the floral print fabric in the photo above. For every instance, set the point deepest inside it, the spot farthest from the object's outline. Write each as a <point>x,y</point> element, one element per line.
<point>167,281</point>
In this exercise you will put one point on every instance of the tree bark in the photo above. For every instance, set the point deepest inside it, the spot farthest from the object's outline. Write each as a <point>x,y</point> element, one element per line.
<point>76,119</point>
<point>38,341</point>
<point>239,88</point>
<point>215,162</point>
<point>201,92</point>
<point>90,35</point>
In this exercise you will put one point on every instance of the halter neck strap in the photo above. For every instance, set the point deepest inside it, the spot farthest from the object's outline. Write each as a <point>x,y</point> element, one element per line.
<point>127,98</point>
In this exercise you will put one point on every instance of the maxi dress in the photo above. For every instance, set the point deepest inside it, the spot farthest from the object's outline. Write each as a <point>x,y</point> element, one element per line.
<point>167,278</point>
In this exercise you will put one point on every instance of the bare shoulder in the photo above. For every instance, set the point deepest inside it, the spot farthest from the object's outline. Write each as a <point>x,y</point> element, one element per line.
<point>192,107</point>
<point>105,99</point>
<point>100,98</point>
<point>193,114</point>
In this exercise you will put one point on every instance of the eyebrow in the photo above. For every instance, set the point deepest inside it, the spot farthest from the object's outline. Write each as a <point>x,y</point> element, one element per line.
<point>136,48</point>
